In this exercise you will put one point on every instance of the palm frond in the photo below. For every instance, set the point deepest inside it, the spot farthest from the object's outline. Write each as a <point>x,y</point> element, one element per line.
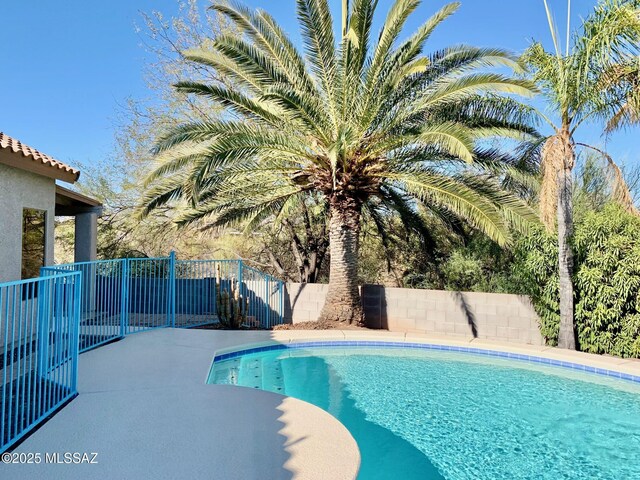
<point>236,101</point>
<point>393,24</point>
<point>317,32</point>
<point>457,197</point>
<point>269,36</point>
<point>378,124</point>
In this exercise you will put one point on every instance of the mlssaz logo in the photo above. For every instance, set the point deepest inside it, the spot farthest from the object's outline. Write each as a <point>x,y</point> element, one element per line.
<point>71,458</point>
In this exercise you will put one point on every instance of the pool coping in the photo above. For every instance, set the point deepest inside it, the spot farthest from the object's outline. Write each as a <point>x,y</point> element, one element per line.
<point>613,367</point>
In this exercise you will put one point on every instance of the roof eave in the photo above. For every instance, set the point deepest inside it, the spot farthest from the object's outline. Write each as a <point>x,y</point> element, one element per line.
<point>28,163</point>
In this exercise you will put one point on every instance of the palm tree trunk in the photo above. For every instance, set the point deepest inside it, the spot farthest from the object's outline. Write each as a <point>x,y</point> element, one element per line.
<point>556,200</point>
<point>343,297</point>
<point>566,335</point>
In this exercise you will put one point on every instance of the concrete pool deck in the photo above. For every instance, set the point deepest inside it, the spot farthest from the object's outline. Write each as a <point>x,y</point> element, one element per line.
<point>145,409</point>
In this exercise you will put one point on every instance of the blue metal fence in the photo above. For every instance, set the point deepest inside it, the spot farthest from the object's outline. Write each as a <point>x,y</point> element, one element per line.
<point>101,299</point>
<point>199,285</point>
<point>265,295</point>
<point>136,294</point>
<point>39,357</point>
<point>46,322</point>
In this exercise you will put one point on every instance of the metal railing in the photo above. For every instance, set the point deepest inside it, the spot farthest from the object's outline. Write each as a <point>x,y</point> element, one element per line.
<point>46,322</point>
<point>199,283</point>
<point>39,357</point>
<point>136,294</point>
<point>266,297</point>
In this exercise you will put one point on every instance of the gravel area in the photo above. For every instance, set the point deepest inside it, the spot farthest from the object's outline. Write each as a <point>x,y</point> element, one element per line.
<point>318,326</point>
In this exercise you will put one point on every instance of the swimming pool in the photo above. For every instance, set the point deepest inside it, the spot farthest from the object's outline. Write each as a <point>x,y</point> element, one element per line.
<point>430,414</point>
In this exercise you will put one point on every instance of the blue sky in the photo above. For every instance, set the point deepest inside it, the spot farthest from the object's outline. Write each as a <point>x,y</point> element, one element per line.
<point>67,67</point>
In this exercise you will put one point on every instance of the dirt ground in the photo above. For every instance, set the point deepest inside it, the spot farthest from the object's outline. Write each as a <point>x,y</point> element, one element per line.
<point>318,326</point>
<point>289,326</point>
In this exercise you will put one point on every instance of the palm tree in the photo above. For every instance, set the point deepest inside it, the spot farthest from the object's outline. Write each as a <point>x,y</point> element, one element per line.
<point>578,87</point>
<point>624,79</point>
<point>373,128</point>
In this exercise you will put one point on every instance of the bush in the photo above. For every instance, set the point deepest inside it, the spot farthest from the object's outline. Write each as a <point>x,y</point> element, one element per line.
<point>606,281</point>
<point>536,268</point>
<point>462,271</point>
<point>607,246</point>
<point>479,266</point>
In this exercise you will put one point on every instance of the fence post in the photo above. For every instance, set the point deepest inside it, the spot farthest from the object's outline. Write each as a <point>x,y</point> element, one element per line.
<point>77,292</point>
<point>172,289</point>
<point>240,283</point>
<point>281,289</point>
<point>268,302</point>
<point>44,309</point>
<point>124,298</point>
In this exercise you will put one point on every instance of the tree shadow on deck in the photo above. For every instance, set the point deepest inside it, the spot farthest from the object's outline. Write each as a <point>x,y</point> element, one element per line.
<point>384,454</point>
<point>146,409</point>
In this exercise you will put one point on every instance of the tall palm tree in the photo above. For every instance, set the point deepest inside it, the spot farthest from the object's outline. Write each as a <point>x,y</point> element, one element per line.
<point>578,87</point>
<point>373,127</point>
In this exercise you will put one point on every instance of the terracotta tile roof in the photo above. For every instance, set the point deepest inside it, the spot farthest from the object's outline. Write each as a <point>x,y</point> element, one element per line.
<point>7,142</point>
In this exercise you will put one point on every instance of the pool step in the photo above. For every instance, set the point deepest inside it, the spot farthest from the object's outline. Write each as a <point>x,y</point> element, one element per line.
<point>272,376</point>
<point>249,372</point>
<point>262,373</point>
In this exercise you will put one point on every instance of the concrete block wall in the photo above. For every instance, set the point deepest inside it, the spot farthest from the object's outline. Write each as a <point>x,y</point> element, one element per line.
<point>303,301</point>
<point>490,316</point>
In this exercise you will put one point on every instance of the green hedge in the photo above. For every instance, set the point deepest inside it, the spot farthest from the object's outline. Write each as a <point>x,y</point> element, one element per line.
<point>606,281</point>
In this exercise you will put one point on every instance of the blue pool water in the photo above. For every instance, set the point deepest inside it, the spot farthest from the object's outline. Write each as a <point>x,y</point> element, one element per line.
<point>420,414</point>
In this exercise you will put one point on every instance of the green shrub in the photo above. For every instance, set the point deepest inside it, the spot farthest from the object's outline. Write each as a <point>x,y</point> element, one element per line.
<point>606,281</point>
<point>479,265</point>
<point>607,246</point>
<point>536,269</point>
<point>462,271</point>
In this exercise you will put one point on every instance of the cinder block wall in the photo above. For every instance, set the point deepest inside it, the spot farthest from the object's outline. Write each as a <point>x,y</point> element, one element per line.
<point>490,316</point>
<point>303,301</point>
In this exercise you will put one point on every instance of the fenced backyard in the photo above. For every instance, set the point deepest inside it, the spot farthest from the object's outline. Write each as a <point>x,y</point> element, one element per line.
<point>46,322</point>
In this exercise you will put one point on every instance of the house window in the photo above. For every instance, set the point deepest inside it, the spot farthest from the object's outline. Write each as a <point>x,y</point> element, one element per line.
<point>33,241</point>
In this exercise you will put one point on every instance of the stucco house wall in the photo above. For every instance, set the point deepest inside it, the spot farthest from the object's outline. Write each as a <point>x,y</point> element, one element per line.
<point>20,189</point>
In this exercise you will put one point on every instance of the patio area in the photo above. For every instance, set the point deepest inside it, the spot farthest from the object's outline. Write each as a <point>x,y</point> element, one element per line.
<point>144,408</point>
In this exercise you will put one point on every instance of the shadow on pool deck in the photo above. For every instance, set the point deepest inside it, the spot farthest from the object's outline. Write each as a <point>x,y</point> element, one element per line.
<point>145,409</point>
<point>384,455</point>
